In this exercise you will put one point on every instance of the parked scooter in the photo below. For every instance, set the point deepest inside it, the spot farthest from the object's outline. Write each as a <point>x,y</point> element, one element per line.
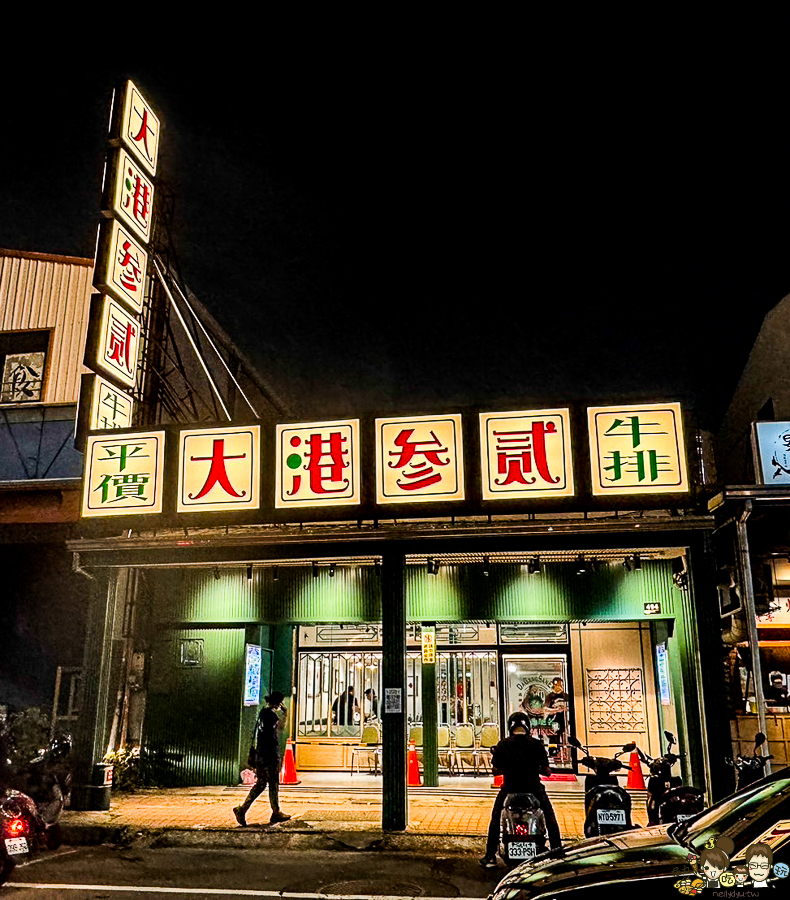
<point>607,805</point>
<point>22,831</point>
<point>46,778</point>
<point>750,768</point>
<point>523,833</point>
<point>668,799</point>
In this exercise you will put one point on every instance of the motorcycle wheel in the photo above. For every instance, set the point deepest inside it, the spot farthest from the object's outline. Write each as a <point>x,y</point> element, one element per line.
<point>7,866</point>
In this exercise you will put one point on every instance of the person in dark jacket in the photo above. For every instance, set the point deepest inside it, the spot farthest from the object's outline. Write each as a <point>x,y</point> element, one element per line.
<point>267,759</point>
<point>521,759</point>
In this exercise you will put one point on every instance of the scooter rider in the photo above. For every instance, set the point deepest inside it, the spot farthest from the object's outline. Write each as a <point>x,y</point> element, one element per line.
<point>521,759</point>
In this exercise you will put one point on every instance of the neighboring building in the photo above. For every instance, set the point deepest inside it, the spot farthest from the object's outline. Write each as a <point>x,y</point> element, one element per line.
<point>44,303</point>
<point>752,542</point>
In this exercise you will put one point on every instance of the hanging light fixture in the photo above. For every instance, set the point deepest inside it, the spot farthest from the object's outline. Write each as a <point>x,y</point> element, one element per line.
<point>637,562</point>
<point>581,565</point>
<point>275,573</point>
<point>315,569</point>
<point>627,564</point>
<point>216,573</point>
<point>486,566</point>
<point>331,570</point>
<point>249,572</point>
<point>533,565</point>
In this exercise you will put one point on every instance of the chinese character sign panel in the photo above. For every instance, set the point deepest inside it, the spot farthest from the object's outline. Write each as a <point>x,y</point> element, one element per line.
<point>317,465</point>
<point>526,454</point>
<point>637,449</point>
<point>122,265</point>
<point>119,343</point>
<point>123,475</point>
<point>110,407</point>
<point>219,469</point>
<point>771,442</point>
<point>23,377</point>
<point>419,459</point>
<point>133,198</point>
<point>252,676</point>
<point>140,128</point>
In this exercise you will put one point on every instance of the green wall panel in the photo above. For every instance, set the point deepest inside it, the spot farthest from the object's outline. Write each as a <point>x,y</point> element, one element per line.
<point>194,711</point>
<point>456,593</point>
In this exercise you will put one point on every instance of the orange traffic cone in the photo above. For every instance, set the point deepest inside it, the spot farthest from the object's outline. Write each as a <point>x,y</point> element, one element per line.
<point>413,779</point>
<point>288,772</point>
<point>498,781</point>
<point>636,781</point>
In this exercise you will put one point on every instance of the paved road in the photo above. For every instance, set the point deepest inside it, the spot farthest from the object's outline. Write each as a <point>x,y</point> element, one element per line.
<point>203,874</point>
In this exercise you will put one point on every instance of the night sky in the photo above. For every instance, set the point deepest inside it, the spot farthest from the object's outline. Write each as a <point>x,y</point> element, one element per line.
<point>391,232</point>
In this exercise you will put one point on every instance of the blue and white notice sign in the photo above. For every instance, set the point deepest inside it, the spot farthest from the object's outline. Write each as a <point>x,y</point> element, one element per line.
<point>252,676</point>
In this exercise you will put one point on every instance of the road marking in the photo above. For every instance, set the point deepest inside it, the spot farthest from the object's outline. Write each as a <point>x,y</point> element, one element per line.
<point>55,855</point>
<point>214,892</point>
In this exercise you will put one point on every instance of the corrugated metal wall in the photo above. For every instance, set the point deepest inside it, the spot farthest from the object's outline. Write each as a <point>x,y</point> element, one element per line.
<point>49,292</point>
<point>456,593</point>
<point>193,718</point>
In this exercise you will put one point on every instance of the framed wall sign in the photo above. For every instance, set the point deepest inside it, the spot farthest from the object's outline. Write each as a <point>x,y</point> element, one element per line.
<point>124,476</point>
<point>317,464</point>
<point>637,449</point>
<point>419,459</point>
<point>219,469</point>
<point>771,451</point>
<point>526,454</point>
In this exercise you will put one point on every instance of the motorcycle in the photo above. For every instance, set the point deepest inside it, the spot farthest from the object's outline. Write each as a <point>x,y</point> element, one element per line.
<point>668,799</point>
<point>607,805</point>
<point>523,833</point>
<point>22,831</point>
<point>750,768</point>
<point>46,779</point>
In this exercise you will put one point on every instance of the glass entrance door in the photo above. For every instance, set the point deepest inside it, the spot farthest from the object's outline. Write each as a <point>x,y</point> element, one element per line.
<point>537,685</point>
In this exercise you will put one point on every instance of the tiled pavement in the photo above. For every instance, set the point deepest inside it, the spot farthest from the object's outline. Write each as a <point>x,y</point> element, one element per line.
<point>315,808</point>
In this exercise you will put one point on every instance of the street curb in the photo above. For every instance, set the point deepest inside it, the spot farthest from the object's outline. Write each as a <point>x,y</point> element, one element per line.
<point>348,841</point>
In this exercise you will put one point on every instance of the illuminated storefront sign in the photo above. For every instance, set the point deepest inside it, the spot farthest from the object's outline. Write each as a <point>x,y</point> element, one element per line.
<point>637,449</point>
<point>109,406</point>
<point>132,200</point>
<point>118,343</point>
<point>124,475</point>
<point>139,128</point>
<point>317,464</point>
<point>219,469</point>
<point>419,459</point>
<point>771,449</point>
<point>526,454</point>
<point>121,265</point>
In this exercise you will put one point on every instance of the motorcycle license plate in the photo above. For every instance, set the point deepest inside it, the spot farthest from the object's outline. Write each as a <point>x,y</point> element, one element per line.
<point>14,846</point>
<point>522,850</point>
<point>610,816</point>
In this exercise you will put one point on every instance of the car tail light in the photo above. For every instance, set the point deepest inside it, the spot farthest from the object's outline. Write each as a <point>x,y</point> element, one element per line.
<point>522,829</point>
<point>15,827</point>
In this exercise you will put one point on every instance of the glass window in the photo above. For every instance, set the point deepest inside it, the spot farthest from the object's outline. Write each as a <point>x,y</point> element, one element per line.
<point>23,357</point>
<point>338,693</point>
<point>537,685</point>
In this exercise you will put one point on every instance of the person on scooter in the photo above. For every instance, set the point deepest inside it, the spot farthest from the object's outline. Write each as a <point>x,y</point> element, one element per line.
<point>521,759</point>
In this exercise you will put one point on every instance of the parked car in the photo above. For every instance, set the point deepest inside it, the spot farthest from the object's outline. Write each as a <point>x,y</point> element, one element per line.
<point>648,862</point>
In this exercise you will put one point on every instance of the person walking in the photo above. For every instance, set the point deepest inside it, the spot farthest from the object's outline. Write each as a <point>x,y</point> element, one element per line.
<point>271,720</point>
<point>521,759</point>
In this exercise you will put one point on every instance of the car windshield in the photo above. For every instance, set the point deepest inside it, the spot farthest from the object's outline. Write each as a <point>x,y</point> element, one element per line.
<point>744,805</point>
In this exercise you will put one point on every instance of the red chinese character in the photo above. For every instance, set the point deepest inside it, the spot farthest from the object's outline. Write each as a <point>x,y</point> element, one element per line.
<point>121,335</point>
<point>139,197</point>
<point>132,274</point>
<point>517,451</point>
<point>420,473</point>
<point>326,460</point>
<point>142,134</point>
<point>217,473</point>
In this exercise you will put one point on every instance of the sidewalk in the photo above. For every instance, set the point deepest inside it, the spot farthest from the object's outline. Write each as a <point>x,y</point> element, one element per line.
<point>442,820</point>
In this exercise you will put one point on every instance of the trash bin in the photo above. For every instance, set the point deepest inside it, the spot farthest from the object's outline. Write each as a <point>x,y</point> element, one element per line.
<point>96,795</point>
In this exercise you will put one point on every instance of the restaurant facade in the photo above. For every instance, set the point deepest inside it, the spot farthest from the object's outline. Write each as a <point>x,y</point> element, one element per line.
<point>447,569</point>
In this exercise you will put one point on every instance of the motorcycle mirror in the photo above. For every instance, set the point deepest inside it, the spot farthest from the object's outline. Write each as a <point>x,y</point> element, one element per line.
<point>574,742</point>
<point>629,747</point>
<point>670,737</point>
<point>759,739</point>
